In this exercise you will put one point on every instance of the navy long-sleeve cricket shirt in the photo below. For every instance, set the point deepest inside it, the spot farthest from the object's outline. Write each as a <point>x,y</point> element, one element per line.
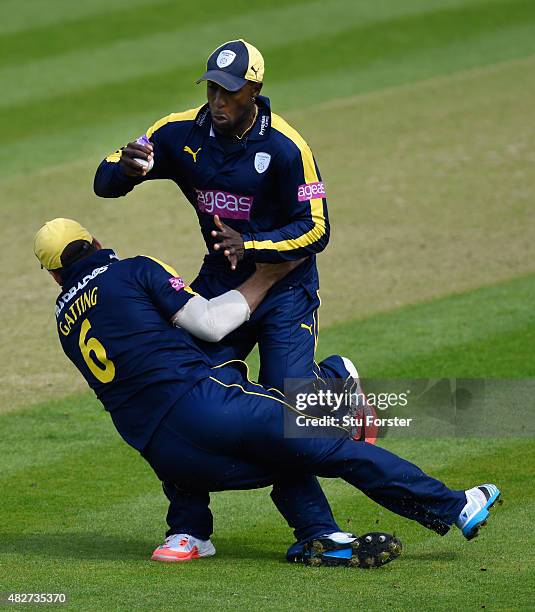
<point>267,187</point>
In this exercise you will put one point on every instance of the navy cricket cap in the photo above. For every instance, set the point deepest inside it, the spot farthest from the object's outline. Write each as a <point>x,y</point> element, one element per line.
<point>234,63</point>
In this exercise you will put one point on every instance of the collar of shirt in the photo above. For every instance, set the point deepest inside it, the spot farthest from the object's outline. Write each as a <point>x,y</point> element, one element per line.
<point>85,265</point>
<point>260,129</point>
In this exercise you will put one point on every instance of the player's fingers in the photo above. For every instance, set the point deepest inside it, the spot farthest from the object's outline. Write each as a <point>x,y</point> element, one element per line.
<point>147,148</point>
<point>227,243</point>
<point>130,164</point>
<point>218,222</point>
<point>144,143</point>
<point>132,168</point>
<point>132,152</point>
<point>233,262</point>
<point>223,227</point>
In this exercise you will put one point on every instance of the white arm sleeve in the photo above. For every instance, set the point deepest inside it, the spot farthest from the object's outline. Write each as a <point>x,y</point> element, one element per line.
<point>213,319</point>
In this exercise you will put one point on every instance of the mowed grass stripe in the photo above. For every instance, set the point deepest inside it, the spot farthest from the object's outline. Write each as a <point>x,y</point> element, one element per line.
<point>97,30</point>
<point>21,16</point>
<point>75,490</point>
<point>59,428</point>
<point>100,474</point>
<point>376,74</point>
<point>509,352</point>
<point>448,337</point>
<point>83,86</point>
<point>184,47</point>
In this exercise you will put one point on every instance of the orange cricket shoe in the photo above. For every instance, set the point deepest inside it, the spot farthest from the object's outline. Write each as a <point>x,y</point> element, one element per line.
<point>183,547</point>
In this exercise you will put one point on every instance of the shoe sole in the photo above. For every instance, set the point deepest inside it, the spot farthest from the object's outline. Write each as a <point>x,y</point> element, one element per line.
<point>480,520</point>
<point>165,559</point>
<point>368,551</point>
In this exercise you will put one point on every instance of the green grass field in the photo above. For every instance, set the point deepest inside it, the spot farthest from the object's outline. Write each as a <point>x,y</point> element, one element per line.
<point>421,114</point>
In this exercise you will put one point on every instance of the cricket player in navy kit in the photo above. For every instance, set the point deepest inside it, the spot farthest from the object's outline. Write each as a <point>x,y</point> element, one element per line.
<point>258,194</point>
<point>125,325</point>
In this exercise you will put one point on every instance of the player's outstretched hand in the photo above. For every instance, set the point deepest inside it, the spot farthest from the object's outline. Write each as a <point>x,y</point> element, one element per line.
<point>132,150</point>
<point>230,240</point>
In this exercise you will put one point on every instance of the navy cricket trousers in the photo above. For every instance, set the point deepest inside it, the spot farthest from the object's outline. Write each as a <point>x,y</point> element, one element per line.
<point>228,433</point>
<point>285,327</point>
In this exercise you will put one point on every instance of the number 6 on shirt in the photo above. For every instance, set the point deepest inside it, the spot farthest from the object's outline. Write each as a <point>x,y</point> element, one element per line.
<point>105,375</point>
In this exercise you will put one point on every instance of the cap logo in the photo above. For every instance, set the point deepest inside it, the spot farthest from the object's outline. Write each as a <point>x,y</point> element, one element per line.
<point>261,162</point>
<point>225,58</point>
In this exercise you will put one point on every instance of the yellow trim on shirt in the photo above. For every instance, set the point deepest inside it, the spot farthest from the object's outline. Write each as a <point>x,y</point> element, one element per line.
<point>184,116</point>
<point>170,270</point>
<point>316,204</point>
<point>114,157</point>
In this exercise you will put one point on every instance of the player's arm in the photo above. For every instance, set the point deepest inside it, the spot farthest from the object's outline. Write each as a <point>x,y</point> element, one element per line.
<point>139,161</point>
<point>208,320</point>
<point>212,320</point>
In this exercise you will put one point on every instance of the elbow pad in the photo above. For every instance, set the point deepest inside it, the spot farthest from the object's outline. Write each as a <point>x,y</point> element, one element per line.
<point>211,320</point>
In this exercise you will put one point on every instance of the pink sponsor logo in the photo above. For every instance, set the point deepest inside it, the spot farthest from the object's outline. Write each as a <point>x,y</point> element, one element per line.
<point>309,191</point>
<point>224,204</point>
<point>177,283</point>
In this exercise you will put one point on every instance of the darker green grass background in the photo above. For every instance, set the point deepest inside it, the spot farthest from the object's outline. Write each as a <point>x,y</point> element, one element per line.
<point>80,512</point>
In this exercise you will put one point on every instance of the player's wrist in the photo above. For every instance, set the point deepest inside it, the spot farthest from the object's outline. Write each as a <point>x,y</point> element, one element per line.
<point>269,274</point>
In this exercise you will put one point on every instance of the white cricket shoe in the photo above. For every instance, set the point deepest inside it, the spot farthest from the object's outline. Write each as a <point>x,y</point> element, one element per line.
<point>474,515</point>
<point>360,408</point>
<point>351,368</point>
<point>183,547</point>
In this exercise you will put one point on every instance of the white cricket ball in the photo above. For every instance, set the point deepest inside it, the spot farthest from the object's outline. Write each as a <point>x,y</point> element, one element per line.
<point>146,164</point>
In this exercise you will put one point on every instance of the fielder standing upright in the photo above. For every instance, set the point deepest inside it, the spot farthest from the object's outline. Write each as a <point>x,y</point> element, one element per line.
<point>235,160</point>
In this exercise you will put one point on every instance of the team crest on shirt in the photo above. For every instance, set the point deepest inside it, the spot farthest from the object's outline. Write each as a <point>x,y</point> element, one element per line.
<point>261,162</point>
